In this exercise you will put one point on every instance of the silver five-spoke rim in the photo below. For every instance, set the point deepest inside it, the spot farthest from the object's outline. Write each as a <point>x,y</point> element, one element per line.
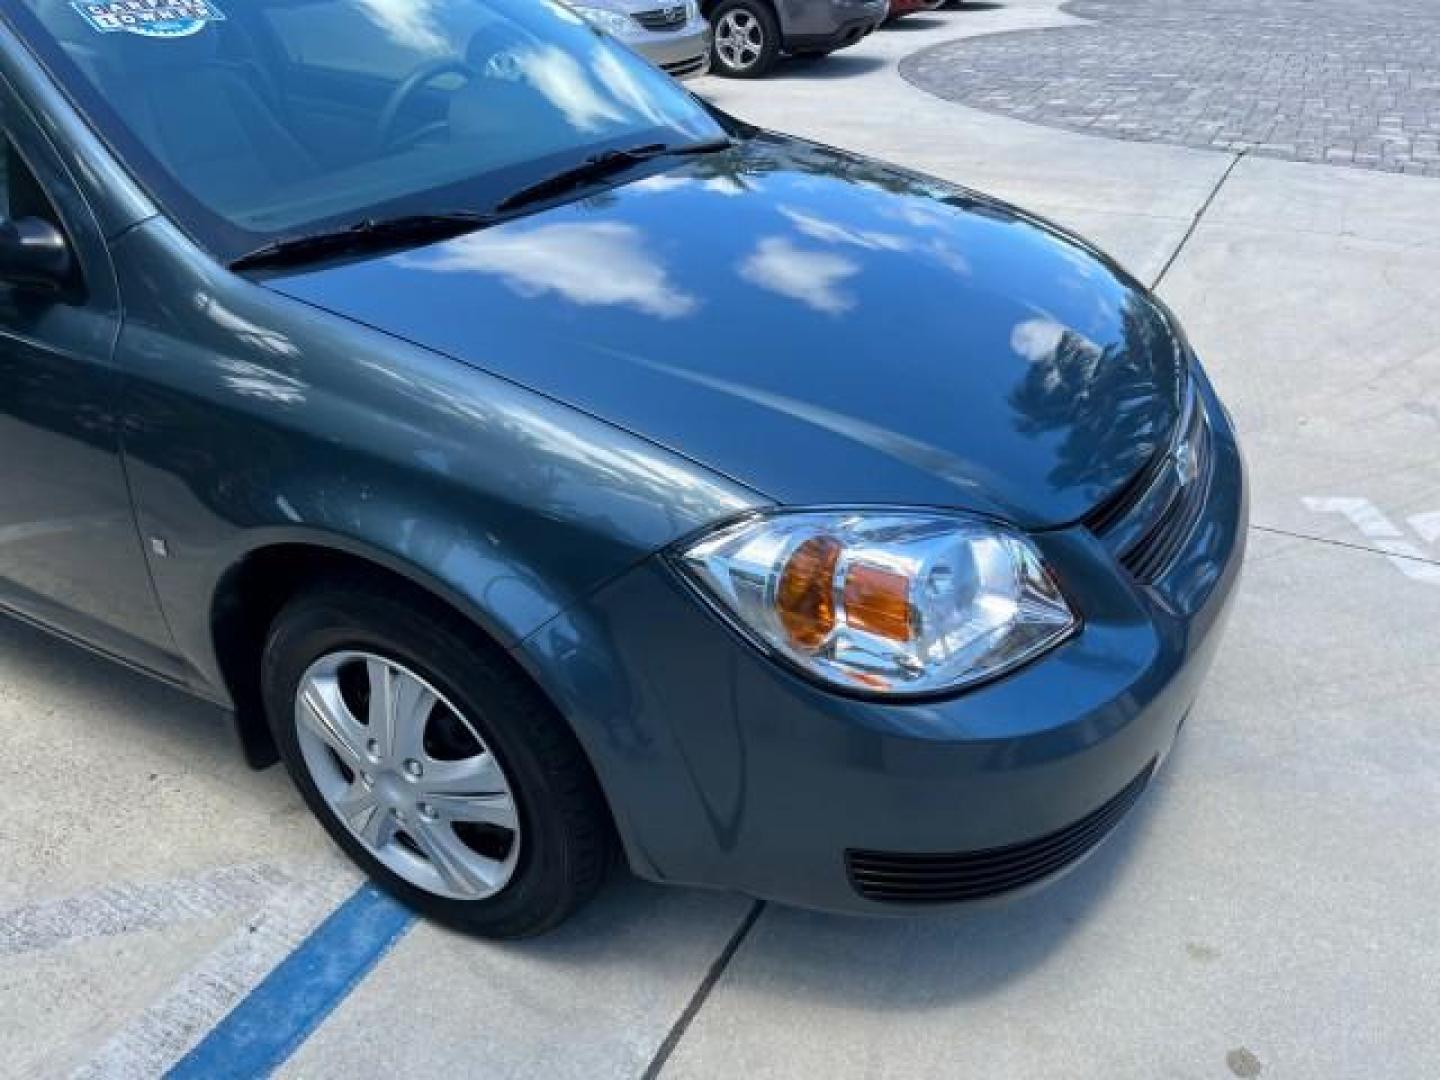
<point>408,775</point>
<point>739,39</point>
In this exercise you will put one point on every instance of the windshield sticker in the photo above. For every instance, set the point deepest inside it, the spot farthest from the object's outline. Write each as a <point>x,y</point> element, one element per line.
<point>149,18</point>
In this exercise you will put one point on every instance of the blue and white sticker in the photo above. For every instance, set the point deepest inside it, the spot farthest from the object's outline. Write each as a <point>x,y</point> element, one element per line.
<point>149,18</point>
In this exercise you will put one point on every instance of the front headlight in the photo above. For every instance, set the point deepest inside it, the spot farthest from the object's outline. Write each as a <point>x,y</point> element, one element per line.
<point>615,23</point>
<point>887,602</point>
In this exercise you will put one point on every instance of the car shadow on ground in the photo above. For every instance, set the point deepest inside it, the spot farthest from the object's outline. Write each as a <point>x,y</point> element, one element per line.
<point>841,65</point>
<point>915,22</point>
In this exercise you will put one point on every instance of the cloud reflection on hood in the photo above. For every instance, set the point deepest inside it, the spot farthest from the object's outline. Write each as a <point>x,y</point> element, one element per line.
<point>812,277</point>
<point>1037,339</point>
<point>936,246</point>
<point>1043,341</point>
<point>599,263</point>
<point>831,232</point>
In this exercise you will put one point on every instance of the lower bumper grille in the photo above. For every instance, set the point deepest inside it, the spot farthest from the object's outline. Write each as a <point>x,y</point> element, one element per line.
<point>686,67</point>
<point>661,18</point>
<point>907,878</point>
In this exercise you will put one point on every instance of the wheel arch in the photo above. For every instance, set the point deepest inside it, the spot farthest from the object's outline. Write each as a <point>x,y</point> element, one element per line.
<point>258,583</point>
<point>707,8</point>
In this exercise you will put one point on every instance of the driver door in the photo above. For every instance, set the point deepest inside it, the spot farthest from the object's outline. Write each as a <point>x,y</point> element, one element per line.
<point>70,557</point>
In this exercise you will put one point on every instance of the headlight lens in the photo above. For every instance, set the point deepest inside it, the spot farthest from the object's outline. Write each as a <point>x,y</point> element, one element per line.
<point>885,602</point>
<point>612,22</point>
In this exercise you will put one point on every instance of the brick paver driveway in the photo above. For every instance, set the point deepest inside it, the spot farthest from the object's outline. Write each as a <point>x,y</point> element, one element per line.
<point>1313,80</point>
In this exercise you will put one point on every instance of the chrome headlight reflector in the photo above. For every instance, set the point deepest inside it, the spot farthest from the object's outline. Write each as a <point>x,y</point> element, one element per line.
<point>885,602</point>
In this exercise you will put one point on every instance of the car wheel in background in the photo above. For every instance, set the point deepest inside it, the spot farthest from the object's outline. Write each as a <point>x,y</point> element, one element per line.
<point>747,39</point>
<point>432,762</point>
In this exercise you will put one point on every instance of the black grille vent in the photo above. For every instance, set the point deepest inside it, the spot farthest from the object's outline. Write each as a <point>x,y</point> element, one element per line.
<point>685,67</point>
<point>1121,505</point>
<point>1148,521</point>
<point>666,18</point>
<point>1150,556</point>
<point>906,878</point>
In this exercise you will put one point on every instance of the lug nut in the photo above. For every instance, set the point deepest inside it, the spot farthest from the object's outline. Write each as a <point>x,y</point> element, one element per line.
<point>413,768</point>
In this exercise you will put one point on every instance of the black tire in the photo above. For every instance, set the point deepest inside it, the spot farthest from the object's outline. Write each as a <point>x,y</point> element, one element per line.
<point>769,31</point>
<point>567,836</point>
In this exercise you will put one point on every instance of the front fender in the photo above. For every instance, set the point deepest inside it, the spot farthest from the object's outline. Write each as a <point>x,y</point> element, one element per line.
<point>251,419</point>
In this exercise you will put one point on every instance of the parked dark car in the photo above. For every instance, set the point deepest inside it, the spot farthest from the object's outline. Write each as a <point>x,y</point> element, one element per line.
<point>541,462</point>
<point>751,35</point>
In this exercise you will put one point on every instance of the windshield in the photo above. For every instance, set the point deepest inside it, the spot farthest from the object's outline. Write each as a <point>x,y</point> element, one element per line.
<point>256,120</point>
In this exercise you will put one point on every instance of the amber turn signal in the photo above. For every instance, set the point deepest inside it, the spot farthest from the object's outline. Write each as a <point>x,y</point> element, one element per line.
<point>878,601</point>
<point>805,594</point>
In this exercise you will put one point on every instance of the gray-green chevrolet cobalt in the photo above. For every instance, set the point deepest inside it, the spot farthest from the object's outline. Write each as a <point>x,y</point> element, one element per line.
<point>547,466</point>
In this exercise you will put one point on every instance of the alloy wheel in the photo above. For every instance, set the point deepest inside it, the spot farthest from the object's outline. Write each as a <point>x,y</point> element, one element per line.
<point>408,775</point>
<point>739,39</point>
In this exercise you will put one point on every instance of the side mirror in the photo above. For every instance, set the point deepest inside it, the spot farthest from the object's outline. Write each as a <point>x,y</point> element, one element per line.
<point>34,255</point>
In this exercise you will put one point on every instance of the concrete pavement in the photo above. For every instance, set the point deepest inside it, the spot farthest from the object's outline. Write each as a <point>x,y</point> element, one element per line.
<point>1267,911</point>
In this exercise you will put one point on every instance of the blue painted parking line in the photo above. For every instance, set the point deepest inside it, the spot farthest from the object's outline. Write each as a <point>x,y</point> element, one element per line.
<point>270,1023</point>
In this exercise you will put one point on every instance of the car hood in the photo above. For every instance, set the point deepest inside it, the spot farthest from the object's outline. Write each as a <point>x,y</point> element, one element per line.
<point>817,326</point>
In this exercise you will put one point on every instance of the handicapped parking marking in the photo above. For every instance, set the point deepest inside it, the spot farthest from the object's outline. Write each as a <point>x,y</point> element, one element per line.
<point>309,936</point>
<point>1410,558</point>
<point>275,1018</point>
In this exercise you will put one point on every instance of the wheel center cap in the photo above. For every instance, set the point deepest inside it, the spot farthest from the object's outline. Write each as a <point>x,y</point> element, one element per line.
<point>392,790</point>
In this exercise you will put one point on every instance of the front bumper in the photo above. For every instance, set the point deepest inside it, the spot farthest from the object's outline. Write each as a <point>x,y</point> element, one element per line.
<point>725,770</point>
<point>842,37</point>
<point>683,53</point>
<point>826,27</point>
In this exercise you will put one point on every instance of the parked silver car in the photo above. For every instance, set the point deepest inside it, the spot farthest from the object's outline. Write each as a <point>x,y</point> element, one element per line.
<point>671,34</point>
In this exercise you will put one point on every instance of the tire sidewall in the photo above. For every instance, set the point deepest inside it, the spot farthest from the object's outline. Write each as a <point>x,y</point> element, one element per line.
<point>770,44</point>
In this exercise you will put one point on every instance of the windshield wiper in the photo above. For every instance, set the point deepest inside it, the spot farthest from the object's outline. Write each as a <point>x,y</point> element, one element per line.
<point>600,166</point>
<point>368,235</point>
